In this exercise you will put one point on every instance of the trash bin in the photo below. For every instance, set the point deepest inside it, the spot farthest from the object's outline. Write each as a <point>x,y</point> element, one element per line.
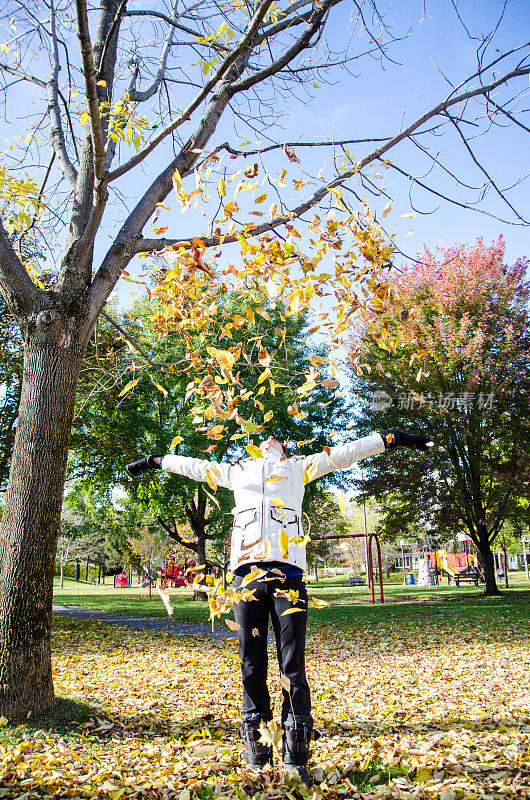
<point>121,581</point>
<point>410,580</point>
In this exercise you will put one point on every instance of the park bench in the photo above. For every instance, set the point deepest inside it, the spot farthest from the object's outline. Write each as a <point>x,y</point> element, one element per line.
<point>470,578</point>
<point>357,582</point>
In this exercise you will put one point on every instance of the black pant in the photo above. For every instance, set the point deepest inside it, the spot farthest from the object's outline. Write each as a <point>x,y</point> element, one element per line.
<point>290,631</point>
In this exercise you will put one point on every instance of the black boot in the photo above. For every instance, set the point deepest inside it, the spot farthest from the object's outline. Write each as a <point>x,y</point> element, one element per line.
<point>257,754</point>
<point>296,741</point>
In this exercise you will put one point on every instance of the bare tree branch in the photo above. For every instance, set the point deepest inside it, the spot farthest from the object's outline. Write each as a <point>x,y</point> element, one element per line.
<point>57,133</point>
<point>145,12</point>
<point>150,245</point>
<point>38,82</point>
<point>484,171</point>
<point>507,114</point>
<point>89,73</point>
<point>242,45</point>
<point>135,344</point>
<point>138,96</point>
<point>313,27</point>
<point>445,197</point>
<point>288,22</point>
<point>108,40</point>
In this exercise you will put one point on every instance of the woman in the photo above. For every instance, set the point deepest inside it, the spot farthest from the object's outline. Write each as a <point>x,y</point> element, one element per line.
<point>267,535</point>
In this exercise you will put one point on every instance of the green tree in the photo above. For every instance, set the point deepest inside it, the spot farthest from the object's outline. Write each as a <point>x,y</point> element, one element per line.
<point>110,430</point>
<point>461,374</point>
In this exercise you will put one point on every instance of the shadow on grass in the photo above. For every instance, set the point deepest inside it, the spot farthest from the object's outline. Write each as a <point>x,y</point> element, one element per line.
<point>64,719</point>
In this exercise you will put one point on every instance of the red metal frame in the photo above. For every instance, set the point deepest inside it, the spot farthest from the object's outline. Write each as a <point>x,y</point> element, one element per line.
<point>370,536</point>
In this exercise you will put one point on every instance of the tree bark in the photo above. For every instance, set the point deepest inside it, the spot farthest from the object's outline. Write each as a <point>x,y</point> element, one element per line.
<point>31,518</point>
<point>196,513</point>
<point>488,563</point>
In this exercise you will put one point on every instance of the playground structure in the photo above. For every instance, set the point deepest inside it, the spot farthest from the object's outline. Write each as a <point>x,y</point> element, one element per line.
<point>368,537</point>
<point>463,566</point>
<point>176,575</point>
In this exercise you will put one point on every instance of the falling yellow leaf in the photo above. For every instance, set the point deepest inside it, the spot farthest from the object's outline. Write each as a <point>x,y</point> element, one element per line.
<point>291,611</point>
<point>254,575</point>
<point>253,451</point>
<point>164,596</point>
<point>232,625</point>
<point>271,734</point>
<point>342,504</point>
<point>177,181</point>
<point>212,498</point>
<point>210,480</point>
<point>233,656</point>
<point>278,503</point>
<point>128,387</point>
<point>317,603</point>
<point>177,440</point>
<point>310,473</point>
<point>160,388</point>
<point>283,542</point>
<point>255,632</point>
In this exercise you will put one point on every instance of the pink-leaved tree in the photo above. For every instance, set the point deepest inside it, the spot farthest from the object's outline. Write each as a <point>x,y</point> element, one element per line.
<point>452,358</point>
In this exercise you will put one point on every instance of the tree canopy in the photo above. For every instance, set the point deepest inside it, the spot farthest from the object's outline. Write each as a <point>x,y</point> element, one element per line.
<point>451,361</point>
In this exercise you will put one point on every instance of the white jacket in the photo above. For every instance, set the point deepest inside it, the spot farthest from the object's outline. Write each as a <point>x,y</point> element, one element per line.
<point>268,495</point>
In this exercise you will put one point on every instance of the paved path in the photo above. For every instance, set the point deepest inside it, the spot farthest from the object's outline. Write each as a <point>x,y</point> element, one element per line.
<point>143,623</point>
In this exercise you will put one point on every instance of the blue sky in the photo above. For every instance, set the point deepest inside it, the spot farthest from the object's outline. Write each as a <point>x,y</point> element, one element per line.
<point>377,103</point>
<point>381,100</point>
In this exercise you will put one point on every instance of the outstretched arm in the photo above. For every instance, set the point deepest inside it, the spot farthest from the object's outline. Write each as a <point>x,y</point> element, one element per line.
<point>344,455</point>
<point>198,469</point>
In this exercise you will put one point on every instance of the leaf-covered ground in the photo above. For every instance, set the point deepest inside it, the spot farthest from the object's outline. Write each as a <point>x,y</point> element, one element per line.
<point>405,709</point>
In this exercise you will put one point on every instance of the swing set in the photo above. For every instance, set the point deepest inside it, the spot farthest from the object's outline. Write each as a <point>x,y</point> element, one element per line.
<point>368,537</point>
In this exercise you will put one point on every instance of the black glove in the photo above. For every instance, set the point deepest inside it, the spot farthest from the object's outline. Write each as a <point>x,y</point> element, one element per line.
<point>143,465</point>
<point>412,440</point>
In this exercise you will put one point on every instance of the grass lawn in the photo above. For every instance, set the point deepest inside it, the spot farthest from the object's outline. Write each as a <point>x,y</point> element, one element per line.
<point>424,697</point>
<point>465,607</point>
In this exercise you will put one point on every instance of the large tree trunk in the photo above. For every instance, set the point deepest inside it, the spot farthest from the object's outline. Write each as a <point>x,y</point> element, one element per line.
<point>31,518</point>
<point>487,561</point>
